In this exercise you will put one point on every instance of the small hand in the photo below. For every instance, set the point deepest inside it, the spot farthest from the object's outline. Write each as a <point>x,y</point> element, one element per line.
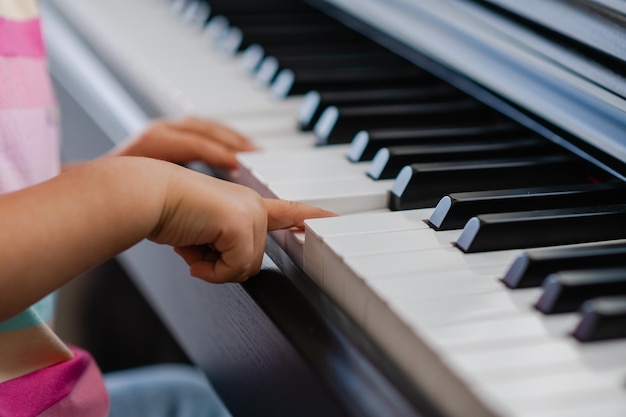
<point>187,140</point>
<point>219,228</point>
<point>208,263</point>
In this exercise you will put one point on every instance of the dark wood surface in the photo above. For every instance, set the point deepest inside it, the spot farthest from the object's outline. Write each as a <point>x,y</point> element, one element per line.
<point>274,346</point>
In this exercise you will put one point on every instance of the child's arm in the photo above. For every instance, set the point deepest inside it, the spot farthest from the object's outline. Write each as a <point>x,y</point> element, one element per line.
<point>53,231</point>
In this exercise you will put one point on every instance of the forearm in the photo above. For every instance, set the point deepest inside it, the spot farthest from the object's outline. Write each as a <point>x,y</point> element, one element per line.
<point>53,231</point>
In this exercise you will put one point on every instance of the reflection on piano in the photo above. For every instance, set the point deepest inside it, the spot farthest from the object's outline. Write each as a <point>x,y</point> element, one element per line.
<point>475,152</point>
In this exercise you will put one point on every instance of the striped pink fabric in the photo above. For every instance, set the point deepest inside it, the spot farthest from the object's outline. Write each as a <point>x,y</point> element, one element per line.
<point>30,83</point>
<point>70,388</point>
<point>25,39</point>
<point>48,381</point>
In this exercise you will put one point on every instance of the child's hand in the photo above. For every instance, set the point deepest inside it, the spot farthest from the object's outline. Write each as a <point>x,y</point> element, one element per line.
<point>219,228</point>
<point>60,228</point>
<point>187,140</point>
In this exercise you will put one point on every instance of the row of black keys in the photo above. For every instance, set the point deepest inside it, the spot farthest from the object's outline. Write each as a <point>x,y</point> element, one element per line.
<point>437,141</point>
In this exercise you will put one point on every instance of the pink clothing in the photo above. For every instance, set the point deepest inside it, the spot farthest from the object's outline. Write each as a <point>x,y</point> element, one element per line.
<point>39,374</point>
<point>29,144</point>
<point>70,388</point>
<point>25,39</point>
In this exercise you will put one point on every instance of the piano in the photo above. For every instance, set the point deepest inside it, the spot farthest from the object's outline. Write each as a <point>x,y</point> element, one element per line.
<point>474,151</point>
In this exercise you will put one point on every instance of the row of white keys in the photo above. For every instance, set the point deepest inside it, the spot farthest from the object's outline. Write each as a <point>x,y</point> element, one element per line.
<point>522,347</point>
<point>319,230</point>
<point>505,368</point>
<point>489,336</point>
<point>352,263</point>
<point>362,240</point>
<point>320,177</point>
<point>177,67</point>
<point>531,367</point>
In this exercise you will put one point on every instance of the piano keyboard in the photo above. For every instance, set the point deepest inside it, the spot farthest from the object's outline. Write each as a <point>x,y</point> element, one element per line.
<point>441,268</point>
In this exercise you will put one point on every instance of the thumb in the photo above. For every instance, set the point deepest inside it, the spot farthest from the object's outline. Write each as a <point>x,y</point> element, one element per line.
<point>283,214</point>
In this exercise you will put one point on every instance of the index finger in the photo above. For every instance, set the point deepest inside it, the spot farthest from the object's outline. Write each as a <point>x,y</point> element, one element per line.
<point>284,214</point>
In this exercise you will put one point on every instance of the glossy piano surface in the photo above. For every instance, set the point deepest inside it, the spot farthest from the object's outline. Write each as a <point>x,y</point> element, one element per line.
<point>376,313</point>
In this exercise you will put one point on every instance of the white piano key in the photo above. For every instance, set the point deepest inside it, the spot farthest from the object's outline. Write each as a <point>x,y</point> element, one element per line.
<point>545,393</point>
<point>415,287</point>
<point>436,259</point>
<point>348,279</point>
<point>419,238</point>
<point>614,406</point>
<point>162,68</point>
<point>291,141</point>
<point>316,230</point>
<point>289,159</point>
<point>260,124</point>
<point>215,28</point>
<point>423,365</point>
<point>339,196</point>
<point>337,248</point>
<point>383,295</point>
<point>515,376</point>
<point>534,386</point>
<point>255,160</point>
<point>502,331</point>
<point>607,399</point>
<point>497,364</point>
<point>368,222</point>
<point>310,171</point>
<point>603,356</point>
<point>294,244</point>
<point>457,309</point>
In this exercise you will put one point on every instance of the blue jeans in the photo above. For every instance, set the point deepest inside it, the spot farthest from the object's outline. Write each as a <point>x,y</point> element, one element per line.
<point>163,391</point>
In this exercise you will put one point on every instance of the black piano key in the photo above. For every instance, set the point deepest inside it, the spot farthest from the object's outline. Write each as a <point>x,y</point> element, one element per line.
<point>566,291</point>
<point>253,55</point>
<point>247,19</point>
<point>339,124</point>
<point>423,185</point>
<point>454,210</point>
<point>532,267</point>
<point>237,39</point>
<point>489,232</point>
<point>366,143</point>
<point>389,161</point>
<point>271,65</point>
<point>603,318</point>
<point>288,82</point>
<point>218,25</point>
<point>231,8</point>
<point>224,16</point>
<point>315,102</point>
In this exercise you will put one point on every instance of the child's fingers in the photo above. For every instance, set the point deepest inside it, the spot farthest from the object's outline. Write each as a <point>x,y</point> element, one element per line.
<point>283,214</point>
<point>215,131</point>
<point>210,265</point>
<point>213,153</point>
<point>237,255</point>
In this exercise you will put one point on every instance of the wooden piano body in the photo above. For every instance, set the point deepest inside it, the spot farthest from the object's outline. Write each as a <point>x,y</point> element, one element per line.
<point>278,345</point>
